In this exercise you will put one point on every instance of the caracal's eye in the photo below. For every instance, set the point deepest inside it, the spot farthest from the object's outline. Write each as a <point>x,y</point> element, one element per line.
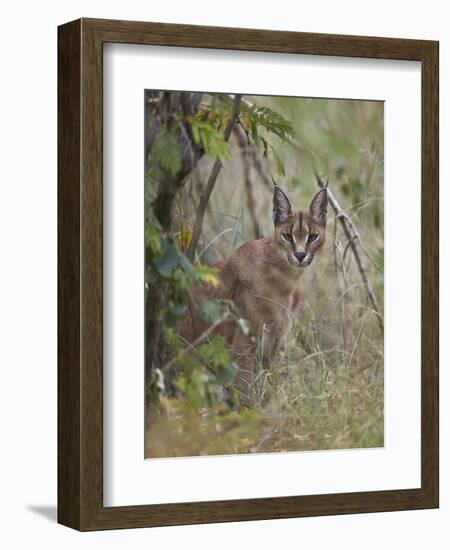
<point>288,237</point>
<point>312,238</point>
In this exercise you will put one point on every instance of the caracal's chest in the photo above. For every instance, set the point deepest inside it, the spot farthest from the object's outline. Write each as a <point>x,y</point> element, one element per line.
<point>266,298</point>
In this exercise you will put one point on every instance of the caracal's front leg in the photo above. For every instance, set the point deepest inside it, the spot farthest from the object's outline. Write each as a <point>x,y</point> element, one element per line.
<point>272,335</point>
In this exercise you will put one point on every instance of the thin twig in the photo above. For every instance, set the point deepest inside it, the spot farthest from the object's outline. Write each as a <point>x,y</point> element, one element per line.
<point>236,230</point>
<point>356,341</point>
<point>248,180</point>
<point>216,238</point>
<point>347,246</point>
<point>211,182</point>
<point>351,232</point>
<point>261,171</point>
<point>343,283</point>
<point>206,334</point>
<point>335,245</point>
<point>358,236</point>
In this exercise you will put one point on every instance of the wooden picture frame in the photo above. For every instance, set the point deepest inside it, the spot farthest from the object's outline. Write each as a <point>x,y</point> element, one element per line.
<point>80,271</point>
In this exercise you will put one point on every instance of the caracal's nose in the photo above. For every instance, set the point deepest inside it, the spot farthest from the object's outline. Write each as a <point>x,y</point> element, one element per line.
<point>300,256</point>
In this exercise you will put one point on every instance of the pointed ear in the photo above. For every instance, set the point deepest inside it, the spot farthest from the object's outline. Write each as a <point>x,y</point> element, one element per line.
<point>319,206</point>
<point>282,207</point>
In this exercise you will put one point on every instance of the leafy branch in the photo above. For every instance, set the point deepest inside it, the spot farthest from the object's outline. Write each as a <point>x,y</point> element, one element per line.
<point>204,199</point>
<point>254,118</point>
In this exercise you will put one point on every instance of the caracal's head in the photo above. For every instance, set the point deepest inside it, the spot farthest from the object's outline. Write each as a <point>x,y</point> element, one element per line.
<point>298,235</point>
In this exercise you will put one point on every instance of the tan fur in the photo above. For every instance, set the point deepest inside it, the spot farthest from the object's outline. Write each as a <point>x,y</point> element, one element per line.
<point>262,278</point>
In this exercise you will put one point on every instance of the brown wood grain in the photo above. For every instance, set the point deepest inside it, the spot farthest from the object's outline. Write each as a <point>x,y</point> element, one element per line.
<point>80,264</point>
<point>430,272</point>
<point>69,243</point>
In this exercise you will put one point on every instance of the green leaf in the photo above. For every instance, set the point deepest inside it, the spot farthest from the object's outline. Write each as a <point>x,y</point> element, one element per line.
<point>168,260</point>
<point>268,119</point>
<point>208,274</point>
<point>215,352</point>
<point>166,151</point>
<point>265,146</point>
<point>153,238</point>
<point>211,310</point>
<point>211,139</point>
<point>173,313</point>
<point>225,375</point>
<point>185,264</point>
<point>278,162</point>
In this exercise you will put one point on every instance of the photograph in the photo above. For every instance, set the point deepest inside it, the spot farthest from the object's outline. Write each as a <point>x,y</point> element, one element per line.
<point>221,266</point>
<point>264,273</point>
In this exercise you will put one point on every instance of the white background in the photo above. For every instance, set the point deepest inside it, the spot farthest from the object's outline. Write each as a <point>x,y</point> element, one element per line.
<point>28,275</point>
<point>128,479</point>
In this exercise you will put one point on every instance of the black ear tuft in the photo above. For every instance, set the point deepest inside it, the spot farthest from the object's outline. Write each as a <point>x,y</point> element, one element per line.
<point>319,206</point>
<point>282,207</point>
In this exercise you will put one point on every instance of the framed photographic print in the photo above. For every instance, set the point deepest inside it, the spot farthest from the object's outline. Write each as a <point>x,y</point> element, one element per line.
<point>248,274</point>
